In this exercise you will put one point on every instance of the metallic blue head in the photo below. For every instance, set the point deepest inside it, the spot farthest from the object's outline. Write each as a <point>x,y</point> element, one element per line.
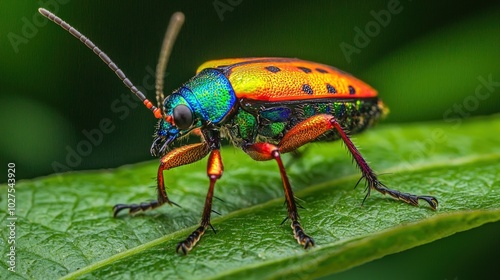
<point>206,99</point>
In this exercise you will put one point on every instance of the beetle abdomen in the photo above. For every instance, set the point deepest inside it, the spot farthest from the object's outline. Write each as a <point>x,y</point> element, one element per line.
<point>268,122</point>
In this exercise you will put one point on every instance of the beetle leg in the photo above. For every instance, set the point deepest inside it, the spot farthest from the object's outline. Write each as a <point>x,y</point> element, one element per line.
<point>180,156</point>
<point>315,126</point>
<point>266,151</point>
<point>214,172</point>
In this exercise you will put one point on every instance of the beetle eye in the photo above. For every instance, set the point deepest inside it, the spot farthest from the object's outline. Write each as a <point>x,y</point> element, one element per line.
<point>183,117</point>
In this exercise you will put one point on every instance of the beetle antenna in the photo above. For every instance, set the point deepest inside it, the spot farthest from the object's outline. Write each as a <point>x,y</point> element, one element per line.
<point>104,57</point>
<point>173,29</point>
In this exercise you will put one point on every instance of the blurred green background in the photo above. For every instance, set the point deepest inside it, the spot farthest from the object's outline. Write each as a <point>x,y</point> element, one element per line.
<point>427,61</point>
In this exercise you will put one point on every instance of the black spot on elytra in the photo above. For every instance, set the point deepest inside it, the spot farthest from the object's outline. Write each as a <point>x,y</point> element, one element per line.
<point>305,69</point>
<point>273,69</point>
<point>321,70</point>
<point>307,89</point>
<point>330,89</point>
<point>351,90</point>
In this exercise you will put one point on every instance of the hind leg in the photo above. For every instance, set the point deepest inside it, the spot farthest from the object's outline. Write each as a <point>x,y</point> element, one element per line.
<point>305,132</point>
<point>315,126</point>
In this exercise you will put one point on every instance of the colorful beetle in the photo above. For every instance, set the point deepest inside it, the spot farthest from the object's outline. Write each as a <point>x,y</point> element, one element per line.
<point>266,106</point>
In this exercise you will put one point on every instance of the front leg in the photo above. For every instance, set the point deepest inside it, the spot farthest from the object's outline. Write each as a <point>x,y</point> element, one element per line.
<point>180,156</point>
<point>214,172</point>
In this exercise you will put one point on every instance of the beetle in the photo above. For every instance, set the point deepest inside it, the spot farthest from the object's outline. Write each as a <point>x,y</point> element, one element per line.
<point>266,106</point>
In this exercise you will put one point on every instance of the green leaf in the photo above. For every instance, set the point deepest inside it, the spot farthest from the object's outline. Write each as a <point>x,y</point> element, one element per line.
<point>65,227</point>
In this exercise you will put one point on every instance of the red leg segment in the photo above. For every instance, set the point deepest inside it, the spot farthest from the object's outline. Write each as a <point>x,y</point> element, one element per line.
<point>266,151</point>
<point>315,126</point>
<point>372,180</point>
<point>180,156</point>
<point>214,172</point>
<point>305,132</point>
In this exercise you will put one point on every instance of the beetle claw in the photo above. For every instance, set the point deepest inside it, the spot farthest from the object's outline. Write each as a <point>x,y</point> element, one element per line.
<point>302,238</point>
<point>186,245</point>
<point>144,206</point>
<point>374,183</point>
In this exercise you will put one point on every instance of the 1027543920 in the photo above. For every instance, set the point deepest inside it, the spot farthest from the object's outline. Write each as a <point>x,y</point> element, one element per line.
<point>267,106</point>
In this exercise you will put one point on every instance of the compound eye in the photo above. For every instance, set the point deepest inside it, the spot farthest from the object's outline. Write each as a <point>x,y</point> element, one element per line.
<point>183,117</point>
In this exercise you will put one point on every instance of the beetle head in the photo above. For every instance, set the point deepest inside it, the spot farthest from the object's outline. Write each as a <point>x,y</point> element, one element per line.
<point>179,119</point>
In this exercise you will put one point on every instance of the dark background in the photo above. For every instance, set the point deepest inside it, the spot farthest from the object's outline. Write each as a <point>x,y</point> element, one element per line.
<point>426,61</point>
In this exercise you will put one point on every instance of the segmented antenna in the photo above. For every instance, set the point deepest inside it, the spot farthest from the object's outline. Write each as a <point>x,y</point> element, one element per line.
<point>157,112</point>
<point>173,29</point>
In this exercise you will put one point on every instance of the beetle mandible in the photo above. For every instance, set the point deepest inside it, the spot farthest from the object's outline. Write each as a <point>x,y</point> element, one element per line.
<point>266,106</point>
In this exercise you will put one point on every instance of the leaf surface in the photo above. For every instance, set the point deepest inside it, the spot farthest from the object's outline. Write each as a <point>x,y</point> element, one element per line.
<point>65,227</point>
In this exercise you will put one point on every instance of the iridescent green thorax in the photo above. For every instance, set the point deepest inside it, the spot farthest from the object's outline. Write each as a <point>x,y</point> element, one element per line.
<point>210,95</point>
